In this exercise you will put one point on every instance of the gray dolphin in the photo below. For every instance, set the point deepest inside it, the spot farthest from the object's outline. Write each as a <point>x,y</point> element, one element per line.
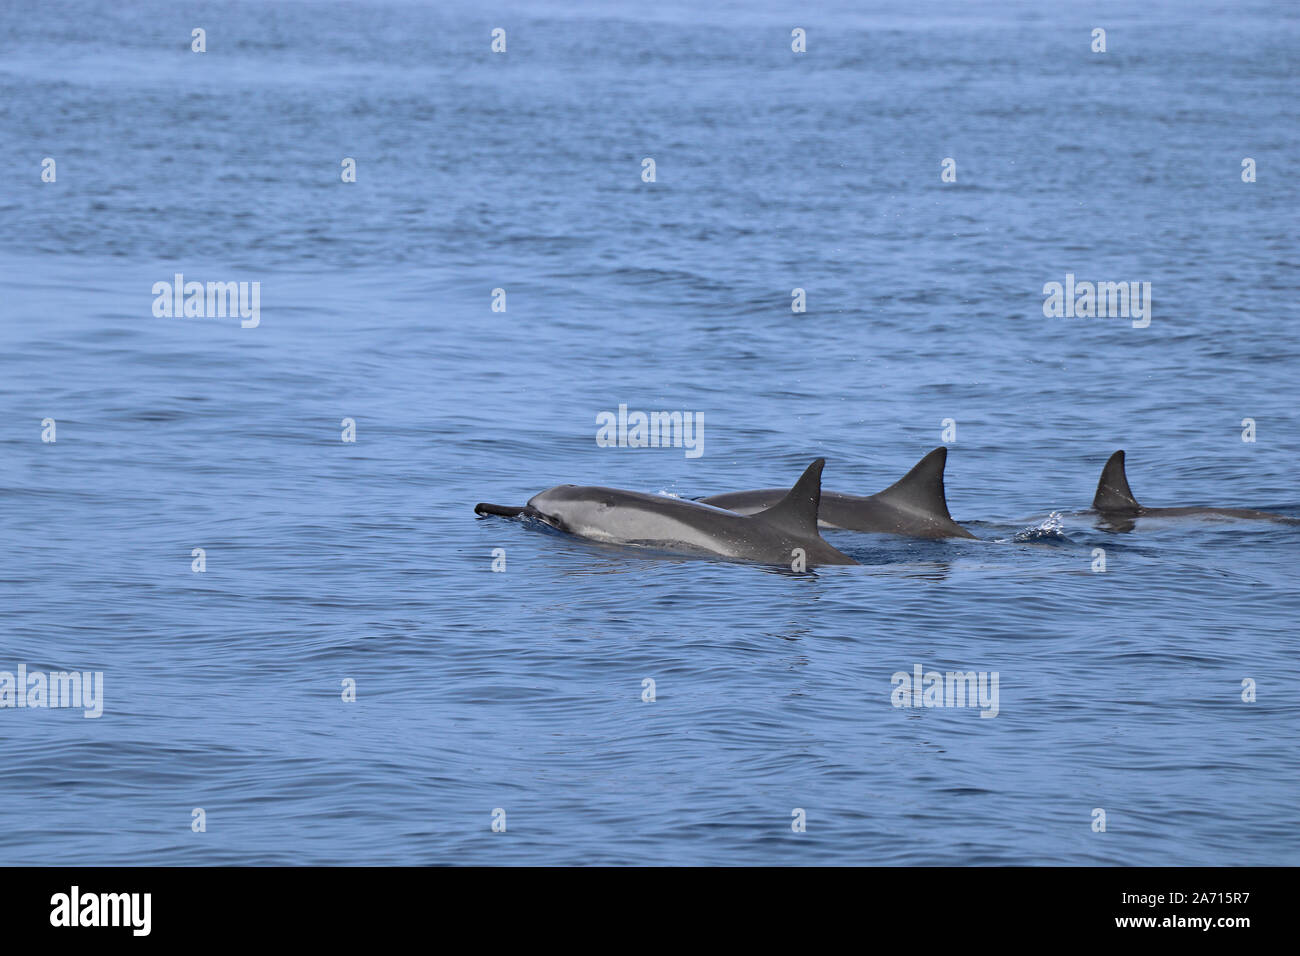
<point>613,516</point>
<point>914,505</point>
<point>1115,503</point>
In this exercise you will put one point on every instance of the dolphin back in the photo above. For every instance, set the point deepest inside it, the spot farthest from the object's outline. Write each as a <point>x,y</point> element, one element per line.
<point>794,517</point>
<point>916,505</point>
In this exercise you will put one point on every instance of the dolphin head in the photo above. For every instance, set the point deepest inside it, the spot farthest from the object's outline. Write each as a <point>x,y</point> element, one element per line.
<point>568,507</point>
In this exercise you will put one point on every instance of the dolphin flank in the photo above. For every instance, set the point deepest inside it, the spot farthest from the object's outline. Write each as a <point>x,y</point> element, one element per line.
<point>777,535</point>
<point>915,505</point>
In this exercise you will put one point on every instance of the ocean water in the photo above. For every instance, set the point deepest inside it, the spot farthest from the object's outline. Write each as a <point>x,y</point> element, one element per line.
<point>328,562</point>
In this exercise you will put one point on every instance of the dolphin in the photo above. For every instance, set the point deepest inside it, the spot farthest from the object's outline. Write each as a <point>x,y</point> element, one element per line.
<point>914,505</point>
<point>631,518</point>
<point>1115,503</point>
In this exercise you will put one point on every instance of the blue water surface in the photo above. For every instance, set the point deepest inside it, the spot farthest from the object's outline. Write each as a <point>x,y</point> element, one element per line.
<point>522,690</point>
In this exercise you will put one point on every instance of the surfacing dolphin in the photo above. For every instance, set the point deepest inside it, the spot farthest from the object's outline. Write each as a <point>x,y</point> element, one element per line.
<point>632,518</point>
<point>914,505</point>
<point>1115,503</point>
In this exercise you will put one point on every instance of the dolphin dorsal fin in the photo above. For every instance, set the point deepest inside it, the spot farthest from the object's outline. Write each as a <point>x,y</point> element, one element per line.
<point>1112,490</point>
<point>921,489</point>
<point>797,511</point>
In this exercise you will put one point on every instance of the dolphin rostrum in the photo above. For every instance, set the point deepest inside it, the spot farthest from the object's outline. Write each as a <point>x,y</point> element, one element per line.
<point>1115,503</point>
<point>783,534</point>
<point>914,505</point>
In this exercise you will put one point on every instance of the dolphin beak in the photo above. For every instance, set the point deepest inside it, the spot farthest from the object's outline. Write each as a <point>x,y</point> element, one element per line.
<point>505,511</point>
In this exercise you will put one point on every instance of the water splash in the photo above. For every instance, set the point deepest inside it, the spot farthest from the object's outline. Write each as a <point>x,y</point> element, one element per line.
<point>1052,528</point>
